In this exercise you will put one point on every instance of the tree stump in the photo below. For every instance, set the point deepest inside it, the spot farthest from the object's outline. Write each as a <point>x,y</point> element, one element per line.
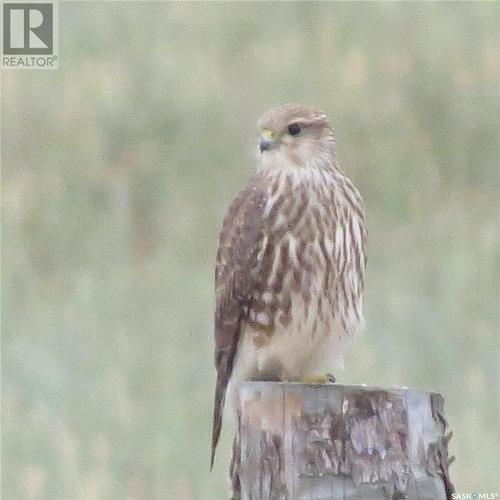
<point>300,441</point>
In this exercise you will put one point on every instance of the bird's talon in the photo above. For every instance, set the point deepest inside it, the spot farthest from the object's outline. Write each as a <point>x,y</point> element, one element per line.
<point>327,378</point>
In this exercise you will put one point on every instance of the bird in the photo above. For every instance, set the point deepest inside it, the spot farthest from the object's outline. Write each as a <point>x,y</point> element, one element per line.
<point>290,265</point>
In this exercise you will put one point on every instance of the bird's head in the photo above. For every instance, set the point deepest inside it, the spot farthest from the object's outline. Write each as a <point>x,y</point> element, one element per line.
<point>292,135</point>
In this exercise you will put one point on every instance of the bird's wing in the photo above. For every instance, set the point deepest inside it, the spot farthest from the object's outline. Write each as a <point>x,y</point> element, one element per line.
<point>241,241</point>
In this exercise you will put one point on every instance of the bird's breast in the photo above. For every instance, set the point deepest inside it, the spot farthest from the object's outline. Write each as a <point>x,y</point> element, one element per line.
<point>308,281</point>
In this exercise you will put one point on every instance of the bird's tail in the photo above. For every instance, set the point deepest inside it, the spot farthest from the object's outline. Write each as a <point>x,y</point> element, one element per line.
<point>220,396</point>
<point>224,358</point>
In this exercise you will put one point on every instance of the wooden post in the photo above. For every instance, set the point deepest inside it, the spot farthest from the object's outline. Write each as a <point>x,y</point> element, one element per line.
<point>300,441</point>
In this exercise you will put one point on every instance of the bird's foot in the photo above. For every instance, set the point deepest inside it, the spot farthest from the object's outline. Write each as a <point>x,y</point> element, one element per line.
<point>327,378</point>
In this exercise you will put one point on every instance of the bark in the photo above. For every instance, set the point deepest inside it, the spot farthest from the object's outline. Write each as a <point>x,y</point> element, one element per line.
<point>299,441</point>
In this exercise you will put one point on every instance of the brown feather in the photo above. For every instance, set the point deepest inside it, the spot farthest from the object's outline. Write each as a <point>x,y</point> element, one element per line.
<point>236,268</point>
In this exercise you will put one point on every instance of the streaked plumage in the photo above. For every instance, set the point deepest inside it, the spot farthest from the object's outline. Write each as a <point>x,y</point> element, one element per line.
<point>291,261</point>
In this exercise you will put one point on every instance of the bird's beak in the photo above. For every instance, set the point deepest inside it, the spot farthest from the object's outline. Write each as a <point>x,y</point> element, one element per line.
<point>267,140</point>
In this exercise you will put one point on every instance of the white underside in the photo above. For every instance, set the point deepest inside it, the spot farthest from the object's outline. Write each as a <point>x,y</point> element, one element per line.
<point>293,353</point>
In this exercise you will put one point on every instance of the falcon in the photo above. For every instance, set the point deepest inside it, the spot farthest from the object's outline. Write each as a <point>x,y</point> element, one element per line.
<point>291,262</point>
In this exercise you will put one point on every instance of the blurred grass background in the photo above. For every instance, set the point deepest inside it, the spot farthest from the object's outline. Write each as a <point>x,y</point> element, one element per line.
<point>119,166</point>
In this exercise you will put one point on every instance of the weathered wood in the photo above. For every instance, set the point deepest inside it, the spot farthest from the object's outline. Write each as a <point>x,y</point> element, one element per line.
<point>299,441</point>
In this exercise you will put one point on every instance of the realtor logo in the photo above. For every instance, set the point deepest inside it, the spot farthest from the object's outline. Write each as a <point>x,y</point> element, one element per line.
<point>27,28</point>
<point>28,31</point>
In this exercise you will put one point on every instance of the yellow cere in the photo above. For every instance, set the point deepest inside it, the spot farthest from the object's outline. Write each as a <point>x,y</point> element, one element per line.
<point>268,135</point>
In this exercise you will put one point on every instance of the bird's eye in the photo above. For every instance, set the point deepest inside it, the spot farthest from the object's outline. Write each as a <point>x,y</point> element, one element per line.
<point>294,129</point>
